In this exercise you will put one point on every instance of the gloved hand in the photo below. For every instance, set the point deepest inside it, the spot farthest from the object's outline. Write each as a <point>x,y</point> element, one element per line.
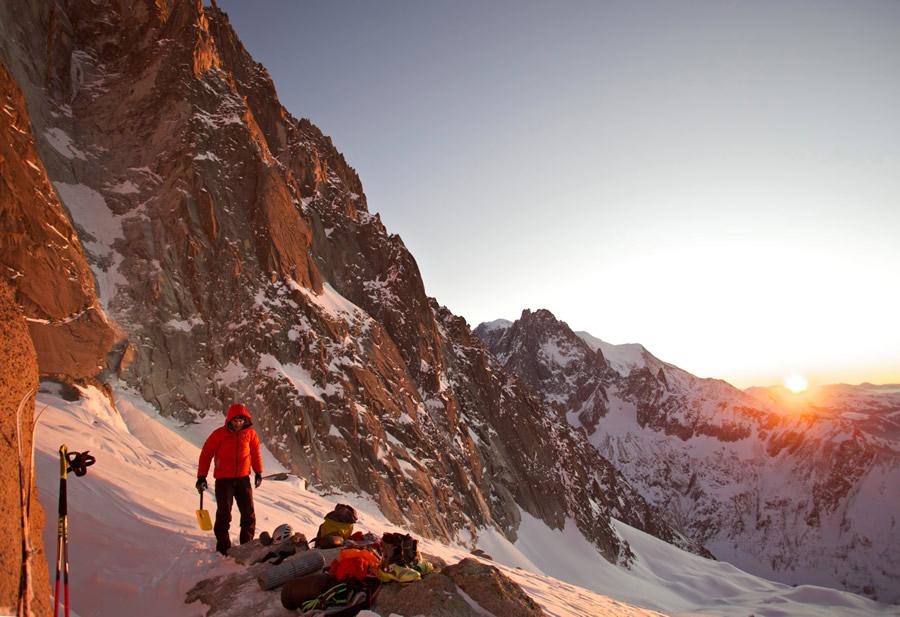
<point>201,484</point>
<point>258,480</point>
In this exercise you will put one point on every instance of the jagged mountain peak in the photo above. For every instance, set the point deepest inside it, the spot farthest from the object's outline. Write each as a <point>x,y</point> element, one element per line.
<point>550,358</point>
<point>539,328</point>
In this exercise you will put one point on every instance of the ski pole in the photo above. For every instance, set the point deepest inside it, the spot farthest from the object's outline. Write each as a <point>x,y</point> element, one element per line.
<point>62,532</point>
<point>76,462</point>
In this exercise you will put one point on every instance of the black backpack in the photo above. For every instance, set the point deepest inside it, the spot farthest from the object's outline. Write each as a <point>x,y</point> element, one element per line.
<point>400,548</point>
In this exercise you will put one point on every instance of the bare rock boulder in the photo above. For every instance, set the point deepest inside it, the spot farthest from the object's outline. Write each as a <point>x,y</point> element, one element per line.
<point>468,588</point>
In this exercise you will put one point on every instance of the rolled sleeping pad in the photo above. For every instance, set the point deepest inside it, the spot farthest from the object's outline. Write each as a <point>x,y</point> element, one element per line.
<point>298,590</point>
<point>302,564</point>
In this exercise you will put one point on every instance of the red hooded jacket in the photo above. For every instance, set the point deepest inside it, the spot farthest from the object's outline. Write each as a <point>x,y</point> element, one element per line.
<point>235,452</point>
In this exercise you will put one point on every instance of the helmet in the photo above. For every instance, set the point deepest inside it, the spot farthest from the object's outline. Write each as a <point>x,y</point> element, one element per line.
<point>282,533</point>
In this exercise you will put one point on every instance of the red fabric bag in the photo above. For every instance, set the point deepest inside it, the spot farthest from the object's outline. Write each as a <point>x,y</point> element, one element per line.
<point>354,564</point>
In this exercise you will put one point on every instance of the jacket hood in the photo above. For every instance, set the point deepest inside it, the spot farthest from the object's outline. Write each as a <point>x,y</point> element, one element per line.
<point>238,410</point>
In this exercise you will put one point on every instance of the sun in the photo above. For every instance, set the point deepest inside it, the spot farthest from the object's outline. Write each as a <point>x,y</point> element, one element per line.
<point>796,383</point>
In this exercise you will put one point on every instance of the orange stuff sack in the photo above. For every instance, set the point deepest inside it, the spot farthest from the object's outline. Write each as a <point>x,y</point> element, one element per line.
<point>354,564</point>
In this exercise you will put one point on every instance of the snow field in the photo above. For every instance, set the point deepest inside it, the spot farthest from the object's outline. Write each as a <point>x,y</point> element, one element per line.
<point>134,543</point>
<point>133,540</point>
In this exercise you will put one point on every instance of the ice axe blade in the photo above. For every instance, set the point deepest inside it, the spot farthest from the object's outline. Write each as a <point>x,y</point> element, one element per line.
<point>203,519</point>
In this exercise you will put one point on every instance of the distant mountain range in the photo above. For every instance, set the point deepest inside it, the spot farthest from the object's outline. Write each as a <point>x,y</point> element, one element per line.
<point>798,488</point>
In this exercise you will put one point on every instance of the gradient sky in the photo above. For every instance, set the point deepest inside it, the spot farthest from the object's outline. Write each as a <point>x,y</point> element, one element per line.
<point>719,181</point>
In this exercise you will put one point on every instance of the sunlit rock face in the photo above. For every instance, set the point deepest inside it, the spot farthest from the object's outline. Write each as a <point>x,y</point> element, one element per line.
<point>233,251</point>
<point>41,256</point>
<point>18,383</point>
<point>799,488</point>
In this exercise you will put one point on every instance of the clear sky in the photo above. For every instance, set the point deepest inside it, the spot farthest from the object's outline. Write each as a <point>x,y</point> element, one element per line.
<point>719,181</point>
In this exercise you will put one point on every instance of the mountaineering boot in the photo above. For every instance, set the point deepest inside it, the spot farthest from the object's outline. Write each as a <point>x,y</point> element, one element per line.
<point>223,546</point>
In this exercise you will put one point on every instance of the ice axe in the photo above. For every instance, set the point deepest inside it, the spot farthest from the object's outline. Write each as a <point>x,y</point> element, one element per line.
<point>203,516</point>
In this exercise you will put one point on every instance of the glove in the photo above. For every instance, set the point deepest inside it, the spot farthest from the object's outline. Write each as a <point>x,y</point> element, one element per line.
<point>257,480</point>
<point>201,484</point>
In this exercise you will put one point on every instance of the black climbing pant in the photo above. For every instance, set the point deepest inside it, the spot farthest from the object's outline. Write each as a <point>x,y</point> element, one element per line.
<point>227,491</point>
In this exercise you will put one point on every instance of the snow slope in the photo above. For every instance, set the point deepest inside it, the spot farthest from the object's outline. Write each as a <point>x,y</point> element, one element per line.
<point>134,541</point>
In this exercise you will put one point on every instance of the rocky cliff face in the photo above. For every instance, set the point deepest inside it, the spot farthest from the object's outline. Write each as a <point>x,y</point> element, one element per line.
<point>41,255</point>
<point>233,248</point>
<point>18,384</point>
<point>799,489</point>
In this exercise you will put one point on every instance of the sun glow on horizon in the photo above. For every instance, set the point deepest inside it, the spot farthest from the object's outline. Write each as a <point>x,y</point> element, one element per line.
<point>796,383</point>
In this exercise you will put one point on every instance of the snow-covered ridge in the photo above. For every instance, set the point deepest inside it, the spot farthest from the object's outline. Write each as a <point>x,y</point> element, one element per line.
<point>497,324</point>
<point>135,546</point>
<point>622,358</point>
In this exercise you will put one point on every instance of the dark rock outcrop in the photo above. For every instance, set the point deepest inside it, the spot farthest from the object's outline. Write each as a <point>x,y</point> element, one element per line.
<point>466,589</point>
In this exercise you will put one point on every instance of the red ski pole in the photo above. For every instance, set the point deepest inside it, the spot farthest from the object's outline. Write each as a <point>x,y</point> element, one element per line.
<point>66,564</point>
<point>78,462</point>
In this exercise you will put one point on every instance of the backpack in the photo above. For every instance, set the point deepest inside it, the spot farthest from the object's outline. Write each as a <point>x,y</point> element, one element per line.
<point>338,521</point>
<point>399,548</point>
<point>355,564</point>
<point>331,527</point>
<point>343,514</point>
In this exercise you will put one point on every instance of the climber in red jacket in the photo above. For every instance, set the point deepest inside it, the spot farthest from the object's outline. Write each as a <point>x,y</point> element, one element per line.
<point>235,448</point>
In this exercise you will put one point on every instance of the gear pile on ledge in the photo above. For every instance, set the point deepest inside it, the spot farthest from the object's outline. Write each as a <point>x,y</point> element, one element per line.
<point>347,571</point>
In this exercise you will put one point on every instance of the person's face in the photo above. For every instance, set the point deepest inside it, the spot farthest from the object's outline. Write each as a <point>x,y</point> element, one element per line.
<point>237,423</point>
